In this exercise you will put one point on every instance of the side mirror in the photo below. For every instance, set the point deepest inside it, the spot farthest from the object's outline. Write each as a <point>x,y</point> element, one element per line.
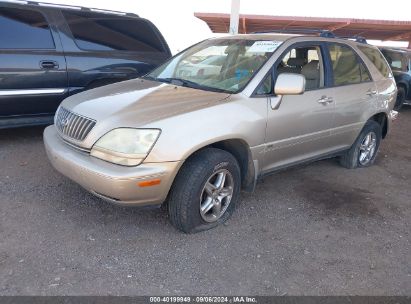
<point>289,84</point>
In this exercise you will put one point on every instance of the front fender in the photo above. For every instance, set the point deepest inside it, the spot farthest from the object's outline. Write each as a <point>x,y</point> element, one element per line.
<point>238,118</point>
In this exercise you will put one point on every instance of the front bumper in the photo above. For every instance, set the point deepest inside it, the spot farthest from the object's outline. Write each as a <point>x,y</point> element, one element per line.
<point>392,116</point>
<point>114,183</point>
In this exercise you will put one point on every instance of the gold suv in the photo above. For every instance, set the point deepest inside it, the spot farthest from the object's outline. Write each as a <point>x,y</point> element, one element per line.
<point>218,116</point>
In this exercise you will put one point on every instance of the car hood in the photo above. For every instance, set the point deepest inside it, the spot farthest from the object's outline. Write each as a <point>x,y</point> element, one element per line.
<point>138,102</point>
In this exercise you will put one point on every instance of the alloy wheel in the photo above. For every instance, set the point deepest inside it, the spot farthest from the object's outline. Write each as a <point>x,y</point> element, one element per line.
<point>368,148</point>
<point>216,195</point>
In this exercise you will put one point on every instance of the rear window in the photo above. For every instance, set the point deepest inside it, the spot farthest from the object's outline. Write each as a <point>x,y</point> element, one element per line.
<point>102,32</point>
<point>347,68</point>
<point>24,29</point>
<point>375,56</point>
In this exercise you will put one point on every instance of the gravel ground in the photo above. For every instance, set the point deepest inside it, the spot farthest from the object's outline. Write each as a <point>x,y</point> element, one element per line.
<point>314,230</point>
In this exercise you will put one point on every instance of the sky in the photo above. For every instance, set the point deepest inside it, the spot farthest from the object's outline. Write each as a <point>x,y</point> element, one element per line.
<point>176,21</point>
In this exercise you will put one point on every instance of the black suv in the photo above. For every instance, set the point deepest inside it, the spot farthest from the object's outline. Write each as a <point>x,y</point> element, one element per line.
<point>49,51</point>
<point>399,60</point>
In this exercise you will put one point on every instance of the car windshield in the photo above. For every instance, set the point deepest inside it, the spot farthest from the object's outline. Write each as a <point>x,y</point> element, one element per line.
<point>395,60</point>
<point>222,65</point>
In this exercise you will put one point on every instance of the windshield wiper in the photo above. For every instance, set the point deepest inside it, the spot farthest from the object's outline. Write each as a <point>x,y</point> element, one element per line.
<point>190,84</point>
<point>177,81</point>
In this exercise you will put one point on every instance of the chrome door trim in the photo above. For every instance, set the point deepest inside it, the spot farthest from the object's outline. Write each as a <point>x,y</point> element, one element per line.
<point>31,92</point>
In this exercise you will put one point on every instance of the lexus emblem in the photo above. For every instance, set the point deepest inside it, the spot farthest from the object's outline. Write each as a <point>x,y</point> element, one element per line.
<point>64,122</point>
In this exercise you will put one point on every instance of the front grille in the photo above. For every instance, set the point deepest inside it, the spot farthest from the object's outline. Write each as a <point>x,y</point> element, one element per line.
<point>72,125</point>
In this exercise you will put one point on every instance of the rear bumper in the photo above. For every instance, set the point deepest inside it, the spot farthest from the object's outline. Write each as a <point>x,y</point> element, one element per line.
<point>114,183</point>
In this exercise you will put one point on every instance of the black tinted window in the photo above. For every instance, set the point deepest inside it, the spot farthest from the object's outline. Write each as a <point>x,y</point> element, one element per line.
<point>396,60</point>
<point>24,29</point>
<point>346,67</point>
<point>102,32</point>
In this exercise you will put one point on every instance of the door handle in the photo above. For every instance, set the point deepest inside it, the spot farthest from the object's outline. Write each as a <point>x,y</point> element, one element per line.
<point>49,64</point>
<point>325,100</point>
<point>371,92</point>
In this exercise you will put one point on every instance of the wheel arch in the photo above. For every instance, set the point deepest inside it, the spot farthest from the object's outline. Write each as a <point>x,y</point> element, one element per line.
<point>382,119</point>
<point>240,149</point>
<point>405,86</point>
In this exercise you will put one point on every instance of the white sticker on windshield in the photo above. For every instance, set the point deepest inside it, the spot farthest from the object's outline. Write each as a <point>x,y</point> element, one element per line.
<point>264,46</point>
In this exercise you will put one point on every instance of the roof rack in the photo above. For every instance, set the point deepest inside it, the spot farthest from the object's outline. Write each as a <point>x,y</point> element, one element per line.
<point>72,7</point>
<point>320,32</point>
<point>355,38</point>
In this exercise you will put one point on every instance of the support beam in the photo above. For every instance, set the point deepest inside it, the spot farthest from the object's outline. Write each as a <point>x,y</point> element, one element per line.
<point>339,26</point>
<point>288,24</point>
<point>368,28</point>
<point>403,36</point>
<point>234,17</point>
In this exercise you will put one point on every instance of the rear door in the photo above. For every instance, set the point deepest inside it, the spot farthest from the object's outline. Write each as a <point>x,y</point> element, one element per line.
<point>354,93</point>
<point>33,76</point>
<point>103,48</point>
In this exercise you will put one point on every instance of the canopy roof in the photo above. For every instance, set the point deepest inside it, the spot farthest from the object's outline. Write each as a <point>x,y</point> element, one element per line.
<point>367,28</point>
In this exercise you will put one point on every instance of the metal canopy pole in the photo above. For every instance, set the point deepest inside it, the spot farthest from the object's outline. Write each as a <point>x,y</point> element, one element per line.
<point>234,17</point>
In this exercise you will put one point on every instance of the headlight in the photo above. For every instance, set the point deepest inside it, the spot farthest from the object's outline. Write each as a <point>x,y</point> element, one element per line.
<point>125,146</point>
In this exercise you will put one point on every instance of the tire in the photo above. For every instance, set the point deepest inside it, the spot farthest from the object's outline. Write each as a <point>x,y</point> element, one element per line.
<point>189,194</point>
<point>354,157</point>
<point>400,98</point>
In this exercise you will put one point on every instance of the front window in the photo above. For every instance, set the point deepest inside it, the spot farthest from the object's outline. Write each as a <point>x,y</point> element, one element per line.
<point>225,65</point>
<point>307,61</point>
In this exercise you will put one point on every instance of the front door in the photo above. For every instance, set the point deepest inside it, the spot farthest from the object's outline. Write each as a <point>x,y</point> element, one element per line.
<point>299,127</point>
